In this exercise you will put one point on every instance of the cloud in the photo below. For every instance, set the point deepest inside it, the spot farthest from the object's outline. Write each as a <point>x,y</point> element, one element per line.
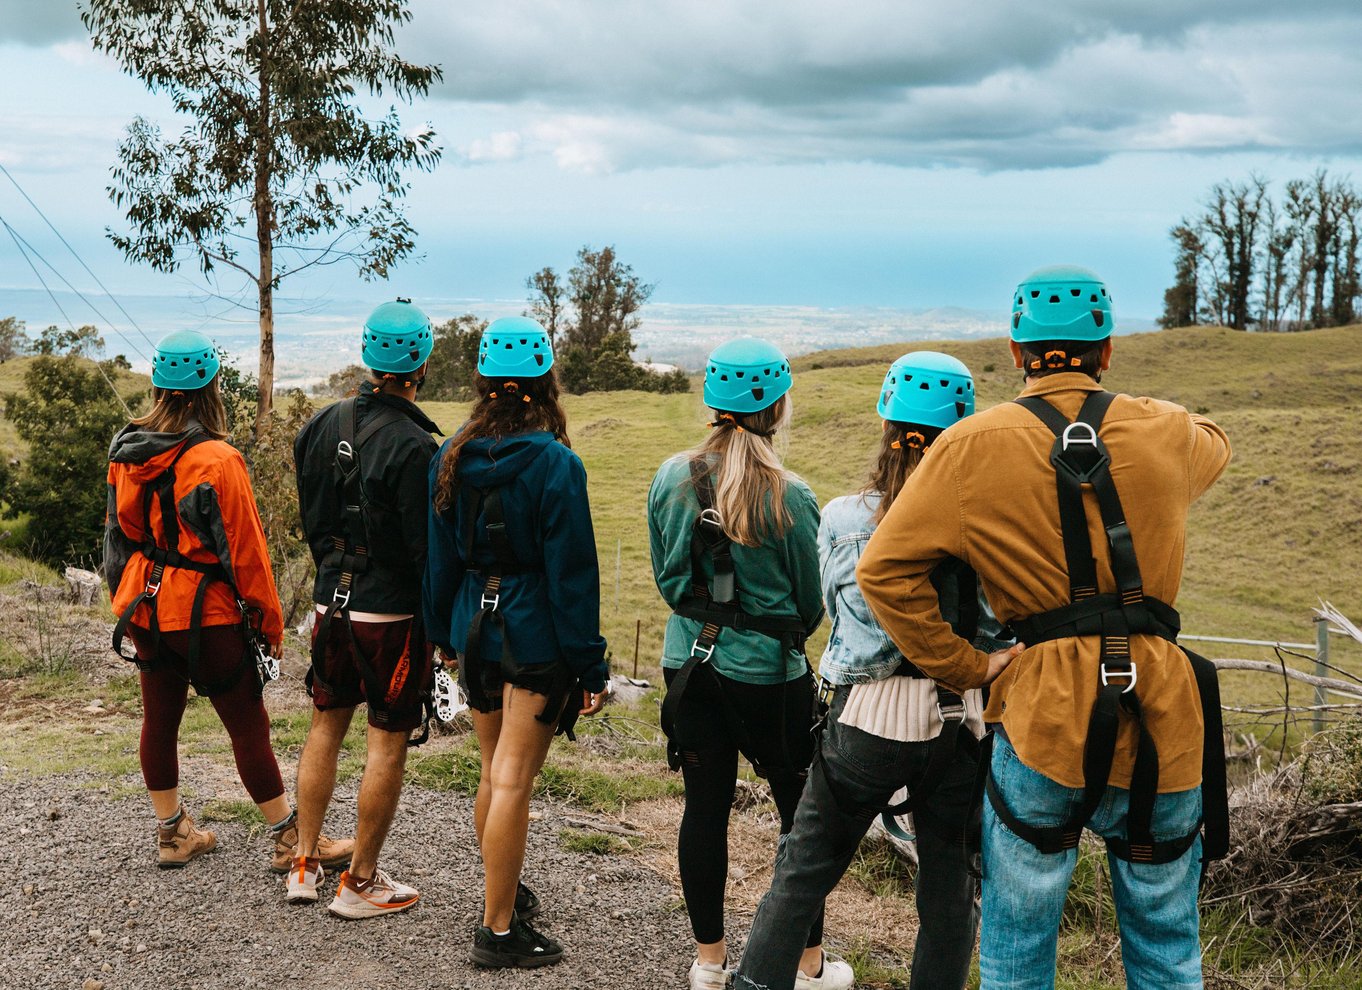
<point>39,22</point>
<point>602,85</point>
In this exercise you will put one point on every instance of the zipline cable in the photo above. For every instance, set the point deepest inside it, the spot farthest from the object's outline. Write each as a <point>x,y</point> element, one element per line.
<point>53,297</point>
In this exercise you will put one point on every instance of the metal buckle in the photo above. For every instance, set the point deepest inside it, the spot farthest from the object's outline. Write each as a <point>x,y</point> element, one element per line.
<point>711,517</point>
<point>1089,441</point>
<point>1131,673</point>
<point>956,712</point>
<point>705,653</point>
<point>152,589</point>
<point>342,596</point>
<point>343,449</point>
<point>491,601</point>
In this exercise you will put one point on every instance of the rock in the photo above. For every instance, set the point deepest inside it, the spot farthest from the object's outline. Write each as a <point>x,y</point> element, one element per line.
<point>140,947</point>
<point>84,586</point>
<point>1265,480</point>
<point>53,813</point>
<point>28,889</point>
<point>106,968</point>
<point>92,984</point>
<point>627,691</point>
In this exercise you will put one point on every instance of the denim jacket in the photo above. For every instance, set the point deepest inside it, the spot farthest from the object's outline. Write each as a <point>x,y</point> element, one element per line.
<point>858,650</point>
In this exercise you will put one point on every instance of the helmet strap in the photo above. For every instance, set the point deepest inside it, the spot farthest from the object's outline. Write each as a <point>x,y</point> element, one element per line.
<point>913,440</point>
<point>510,390</point>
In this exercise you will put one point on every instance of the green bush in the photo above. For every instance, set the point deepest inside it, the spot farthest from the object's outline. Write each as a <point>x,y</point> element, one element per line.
<point>67,416</point>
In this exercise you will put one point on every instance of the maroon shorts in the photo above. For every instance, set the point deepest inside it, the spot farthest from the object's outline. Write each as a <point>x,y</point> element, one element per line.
<point>399,662</point>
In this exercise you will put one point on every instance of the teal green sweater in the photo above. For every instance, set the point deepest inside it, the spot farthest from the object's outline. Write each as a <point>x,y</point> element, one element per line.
<point>780,577</point>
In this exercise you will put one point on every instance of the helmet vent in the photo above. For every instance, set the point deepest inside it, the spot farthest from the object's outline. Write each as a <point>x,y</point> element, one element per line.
<point>758,393</point>
<point>960,410</point>
<point>945,384</point>
<point>1054,299</point>
<point>524,341</point>
<point>539,359</point>
<point>723,378</point>
<point>1093,297</point>
<point>202,373</point>
<point>510,346</point>
<point>1016,320</point>
<point>768,372</point>
<point>1075,292</point>
<point>925,386</point>
<point>1097,317</point>
<point>739,374</point>
<point>1035,293</point>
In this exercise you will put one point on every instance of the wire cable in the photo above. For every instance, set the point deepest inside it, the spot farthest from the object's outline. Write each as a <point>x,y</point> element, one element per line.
<point>80,295</point>
<point>103,287</point>
<point>98,367</point>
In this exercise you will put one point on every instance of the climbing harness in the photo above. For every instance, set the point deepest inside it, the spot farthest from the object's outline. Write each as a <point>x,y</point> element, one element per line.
<point>160,491</point>
<point>350,555</point>
<point>714,603</point>
<point>1081,459</point>
<point>486,504</point>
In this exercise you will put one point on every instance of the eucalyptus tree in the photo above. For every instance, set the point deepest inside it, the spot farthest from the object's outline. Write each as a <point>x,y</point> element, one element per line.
<point>278,167</point>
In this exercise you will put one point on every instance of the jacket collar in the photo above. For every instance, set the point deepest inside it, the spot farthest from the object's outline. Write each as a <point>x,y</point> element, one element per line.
<point>409,409</point>
<point>1064,381</point>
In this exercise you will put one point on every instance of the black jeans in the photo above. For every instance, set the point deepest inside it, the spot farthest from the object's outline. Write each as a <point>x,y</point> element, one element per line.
<point>777,719</point>
<point>865,771</point>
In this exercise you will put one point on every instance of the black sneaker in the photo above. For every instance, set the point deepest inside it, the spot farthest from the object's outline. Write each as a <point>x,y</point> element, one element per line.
<point>527,904</point>
<point>522,946</point>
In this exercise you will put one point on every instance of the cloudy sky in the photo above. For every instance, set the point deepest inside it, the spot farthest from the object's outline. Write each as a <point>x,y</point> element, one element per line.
<point>904,153</point>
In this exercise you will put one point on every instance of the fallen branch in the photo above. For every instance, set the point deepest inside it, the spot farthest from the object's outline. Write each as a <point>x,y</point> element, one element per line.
<point>1267,667</point>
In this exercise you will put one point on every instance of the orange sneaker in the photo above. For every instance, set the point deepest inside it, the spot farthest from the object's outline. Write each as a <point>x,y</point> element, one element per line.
<point>365,899</point>
<point>304,877</point>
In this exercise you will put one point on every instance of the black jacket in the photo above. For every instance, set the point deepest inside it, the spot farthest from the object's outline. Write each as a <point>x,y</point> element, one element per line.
<point>393,465</point>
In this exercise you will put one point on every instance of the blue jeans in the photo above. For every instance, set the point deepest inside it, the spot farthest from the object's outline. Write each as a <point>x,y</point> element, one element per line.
<point>1025,889</point>
<point>865,771</point>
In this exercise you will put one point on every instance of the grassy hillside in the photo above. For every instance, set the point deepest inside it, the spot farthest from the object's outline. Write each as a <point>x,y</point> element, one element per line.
<point>1281,529</point>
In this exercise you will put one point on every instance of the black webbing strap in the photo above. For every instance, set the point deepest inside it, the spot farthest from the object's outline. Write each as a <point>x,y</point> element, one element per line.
<point>350,555</point>
<point>714,603</point>
<point>487,504</point>
<point>1080,458</point>
<point>159,494</point>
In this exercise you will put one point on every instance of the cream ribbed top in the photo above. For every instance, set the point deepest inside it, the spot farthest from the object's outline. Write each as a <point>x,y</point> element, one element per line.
<point>904,709</point>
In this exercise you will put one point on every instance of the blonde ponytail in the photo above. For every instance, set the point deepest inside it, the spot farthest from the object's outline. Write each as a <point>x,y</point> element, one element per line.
<point>749,492</point>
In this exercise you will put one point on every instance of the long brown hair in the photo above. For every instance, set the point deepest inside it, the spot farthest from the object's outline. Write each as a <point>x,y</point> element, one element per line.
<point>750,491</point>
<point>901,448</point>
<point>174,409</point>
<point>504,407</point>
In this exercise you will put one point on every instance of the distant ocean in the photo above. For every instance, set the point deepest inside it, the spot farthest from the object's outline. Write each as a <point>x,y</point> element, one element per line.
<point>318,336</point>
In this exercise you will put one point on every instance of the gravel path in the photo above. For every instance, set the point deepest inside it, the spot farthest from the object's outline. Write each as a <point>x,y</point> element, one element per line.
<point>81,902</point>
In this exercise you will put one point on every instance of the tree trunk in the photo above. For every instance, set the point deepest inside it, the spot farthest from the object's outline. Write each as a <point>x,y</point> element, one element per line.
<point>263,204</point>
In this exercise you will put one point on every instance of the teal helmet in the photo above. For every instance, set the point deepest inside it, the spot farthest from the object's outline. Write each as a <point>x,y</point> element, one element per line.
<point>1063,302</point>
<point>927,388</point>
<point>397,338</point>
<point>746,375</point>
<point>515,347</point>
<point>184,360</point>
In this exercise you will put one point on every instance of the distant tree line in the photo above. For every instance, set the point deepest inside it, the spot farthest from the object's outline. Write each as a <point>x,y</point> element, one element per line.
<point>1254,260</point>
<point>591,317</point>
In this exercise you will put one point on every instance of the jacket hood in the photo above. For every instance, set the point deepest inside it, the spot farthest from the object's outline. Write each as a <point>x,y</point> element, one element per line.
<point>487,463</point>
<point>147,453</point>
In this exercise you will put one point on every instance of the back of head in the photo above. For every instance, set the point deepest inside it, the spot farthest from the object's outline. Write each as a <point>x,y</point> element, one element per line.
<point>184,379</point>
<point>924,392</point>
<point>517,392</point>
<point>1061,318</point>
<point>746,381</point>
<point>396,342</point>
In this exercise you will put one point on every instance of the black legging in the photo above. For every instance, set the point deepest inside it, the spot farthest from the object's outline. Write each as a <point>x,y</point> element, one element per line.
<point>777,718</point>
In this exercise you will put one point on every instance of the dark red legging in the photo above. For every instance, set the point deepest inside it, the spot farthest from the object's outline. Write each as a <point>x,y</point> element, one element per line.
<point>165,693</point>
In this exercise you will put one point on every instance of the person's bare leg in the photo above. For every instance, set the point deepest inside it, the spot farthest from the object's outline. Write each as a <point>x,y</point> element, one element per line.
<point>487,728</point>
<point>317,773</point>
<point>378,794</point>
<point>520,751</point>
<point>165,803</point>
<point>275,810</point>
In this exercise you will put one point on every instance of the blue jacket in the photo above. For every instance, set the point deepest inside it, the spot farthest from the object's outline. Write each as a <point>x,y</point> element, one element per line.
<point>552,612</point>
<point>858,650</point>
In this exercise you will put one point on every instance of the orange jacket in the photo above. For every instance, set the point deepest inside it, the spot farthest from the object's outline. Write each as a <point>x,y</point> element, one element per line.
<point>986,494</point>
<point>218,520</point>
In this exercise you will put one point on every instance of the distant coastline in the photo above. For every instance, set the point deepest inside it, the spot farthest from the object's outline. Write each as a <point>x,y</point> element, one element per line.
<point>316,337</point>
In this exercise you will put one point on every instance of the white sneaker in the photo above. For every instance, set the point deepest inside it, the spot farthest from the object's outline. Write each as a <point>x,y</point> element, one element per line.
<point>837,975</point>
<point>304,877</point>
<point>708,976</point>
<point>381,895</point>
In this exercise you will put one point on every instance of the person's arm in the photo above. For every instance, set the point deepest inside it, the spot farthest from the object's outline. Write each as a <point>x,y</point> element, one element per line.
<point>1209,454</point>
<point>827,569</point>
<point>921,528</point>
<point>801,555</point>
<point>572,573</point>
<point>444,565</point>
<point>240,543</point>
<point>671,517</point>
